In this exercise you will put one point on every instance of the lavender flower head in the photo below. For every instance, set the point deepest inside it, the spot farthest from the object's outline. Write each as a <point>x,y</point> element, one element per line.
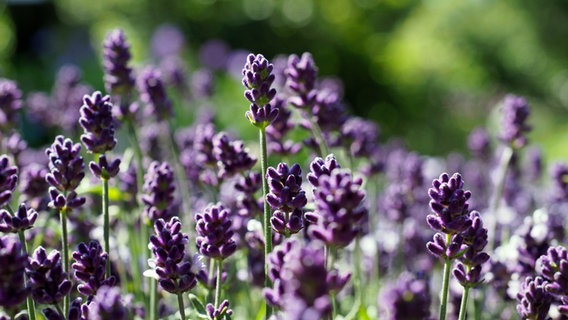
<point>533,302</point>
<point>513,121</point>
<point>159,188</point>
<point>118,76</point>
<point>320,167</point>
<point>107,304</point>
<point>90,267</point>
<point>97,122</point>
<point>48,282</point>
<point>408,298</point>
<point>232,157</point>
<point>215,232</point>
<point>10,103</point>
<point>554,268</point>
<point>13,290</point>
<point>153,94</point>
<point>286,197</point>
<point>258,79</point>
<point>220,312</point>
<point>8,180</point>
<point>174,269</point>
<point>468,269</point>
<point>22,219</point>
<point>301,76</point>
<point>449,205</point>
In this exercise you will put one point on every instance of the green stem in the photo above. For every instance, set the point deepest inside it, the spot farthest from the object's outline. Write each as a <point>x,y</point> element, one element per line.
<point>29,301</point>
<point>63,222</point>
<point>58,308</point>
<point>446,282</point>
<point>267,213</point>
<point>498,193</point>
<point>106,226</point>
<point>463,306</point>
<point>154,299</point>
<point>318,135</point>
<point>218,283</point>
<point>181,306</point>
<point>329,254</point>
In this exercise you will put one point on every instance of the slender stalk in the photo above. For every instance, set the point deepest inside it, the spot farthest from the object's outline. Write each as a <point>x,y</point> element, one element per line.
<point>154,299</point>
<point>218,283</point>
<point>65,249</point>
<point>180,172</point>
<point>463,306</point>
<point>498,193</point>
<point>446,282</point>
<point>330,255</point>
<point>318,135</point>
<point>267,213</point>
<point>106,226</point>
<point>181,306</point>
<point>29,301</point>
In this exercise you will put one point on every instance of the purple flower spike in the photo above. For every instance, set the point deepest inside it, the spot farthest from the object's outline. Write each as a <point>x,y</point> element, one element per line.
<point>301,75</point>
<point>449,204</point>
<point>98,124</point>
<point>258,79</point>
<point>320,167</point>
<point>153,94</point>
<point>475,240</point>
<point>220,312</point>
<point>215,230</point>
<point>116,55</point>
<point>13,289</point>
<point>10,103</point>
<point>232,157</point>
<point>23,219</point>
<point>159,187</point>
<point>33,186</point>
<point>174,269</point>
<point>533,302</point>
<point>103,169</point>
<point>48,282</point>
<point>8,180</point>
<point>107,304</point>
<point>89,266</point>
<point>286,197</point>
<point>554,268</point>
<point>66,164</point>
<point>513,122</point>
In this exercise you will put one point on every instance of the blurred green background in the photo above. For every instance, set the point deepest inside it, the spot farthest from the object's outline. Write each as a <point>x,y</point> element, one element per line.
<point>426,71</point>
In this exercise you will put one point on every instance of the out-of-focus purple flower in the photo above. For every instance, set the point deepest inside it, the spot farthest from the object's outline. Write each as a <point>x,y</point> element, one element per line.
<point>513,122</point>
<point>33,186</point>
<point>395,203</point>
<point>533,164</point>
<point>67,97</point>
<point>22,219</point>
<point>215,232</point>
<point>220,312</point>
<point>106,304</point>
<point>468,269</point>
<point>559,175</point>
<point>213,54</point>
<point>533,302</point>
<point>8,180</point>
<point>320,167</point>
<point>554,268</point>
<point>406,168</point>
<point>167,40</point>
<point>258,79</point>
<point>175,73</point>
<point>128,184</point>
<point>153,94</point>
<point>340,209</point>
<point>407,298</point>
<point>360,136</point>
<point>479,144</point>
<point>328,111</point>
<point>159,188</point>
<point>248,185</point>
<point>98,124</point>
<point>276,132</point>
<point>172,266</point>
<point>151,140</point>
<point>14,144</point>
<point>75,312</point>
<point>449,205</point>
<point>90,266</point>
<point>301,76</point>
<point>10,104</point>
<point>202,83</point>
<point>118,77</point>
<point>13,290</point>
<point>231,155</point>
<point>286,197</point>
<point>48,282</point>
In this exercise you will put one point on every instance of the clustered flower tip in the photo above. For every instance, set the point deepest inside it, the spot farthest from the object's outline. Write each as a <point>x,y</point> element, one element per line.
<point>103,169</point>
<point>8,180</point>
<point>90,267</point>
<point>98,123</point>
<point>513,122</point>
<point>215,232</point>
<point>48,282</point>
<point>301,75</point>
<point>106,304</point>
<point>13,289</point>
<point>159,189</point>
<point>118,76</point>
<point>286,197</point>
<point>231,155</point>
<point>533,302</point>
<point>219,312</point>
<point>258,79</point>
<point>10,104</point>
<point>153,93</point>
<point>449,205</point>
<point>23,219</point>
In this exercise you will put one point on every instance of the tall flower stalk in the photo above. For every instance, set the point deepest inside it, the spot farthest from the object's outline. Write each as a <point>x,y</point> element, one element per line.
<point>258,79</point>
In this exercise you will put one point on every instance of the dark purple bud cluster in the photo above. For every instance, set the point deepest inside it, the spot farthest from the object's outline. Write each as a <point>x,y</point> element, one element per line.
<point>106,304</point>
<point>172,266</point>
<point>215,232</point>
<point>408,298</point>
<point>220,312</point>
<point>48,282</point>
<point>328,111</point>
<point>8,180</point>
<point>10,104</point>
<point>22,219</point>
<point>513,122</point>
<point>301,76</point>
<point>116,55</point>
<point>33,186</point>
<point>276,132</point>
<point>66,172</point>
<point>340,209</point>
<point>159,188</point>
<point>13,290</point>
<point>90,266</point>
<point>98,124</point>
<point>320,167</point>
<point>286,197</point>
<point>449,205</point>
<point>554,268</point>
<point>153,94</point>
<point>468,268</point>
<point>231,155</point>
<point>533,302</point>
<point>258,79</point>
<point>104,170</point>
